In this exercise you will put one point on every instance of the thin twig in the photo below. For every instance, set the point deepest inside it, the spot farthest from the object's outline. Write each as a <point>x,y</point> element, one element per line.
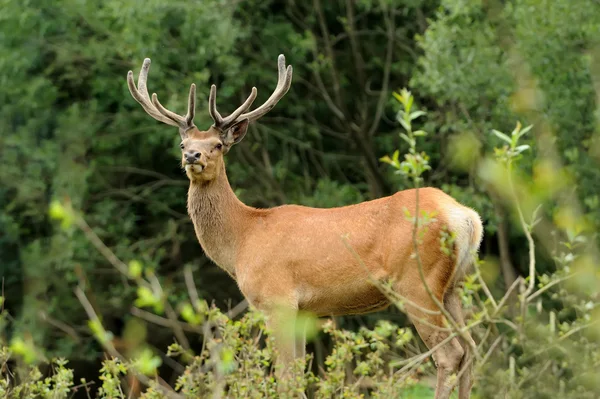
<point>508,293</point>
<point>527,232</point>
<point>430,352</point>
<point>490,350</point>
<point>383,95</point>
<point>153,285</point>
<point>161,321</point>
<point>487,291</point>
<point>110,348</point>
<point>102,248</point>
<point>548,286</point>
<point>70,331</point>
<point>329,51</point>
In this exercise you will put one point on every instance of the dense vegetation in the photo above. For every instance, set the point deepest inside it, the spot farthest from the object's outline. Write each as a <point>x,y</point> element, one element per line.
<point>93,219</point>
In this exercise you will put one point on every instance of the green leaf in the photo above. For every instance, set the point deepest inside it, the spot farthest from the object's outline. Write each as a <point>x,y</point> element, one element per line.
<point>525,130</point>
<point>56,210</point>
<point>414,115</point>
<point>405,124</point>
<point>189,314</point>
<point>410,141</point>
<point>408,99</point>
<point>386,159</point>
<point>147,362</point>
<point>59,212</point>
<point>521,148</point>
<point>24,349</point>
<point>135,269</point>
<point>99,332</point>
<point>398,97</point>
<point>502,136</point>
<point>227,363</point>
<point>146,298</point>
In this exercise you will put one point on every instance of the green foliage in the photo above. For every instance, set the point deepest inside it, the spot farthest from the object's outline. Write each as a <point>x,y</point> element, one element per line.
<point>234,361</point>
<point>33,384</point>
<point>488,63</point>
<point>415,163</point>
<point>74,143</point>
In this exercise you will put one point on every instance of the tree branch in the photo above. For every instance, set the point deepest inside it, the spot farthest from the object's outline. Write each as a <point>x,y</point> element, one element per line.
<point>383,95</point>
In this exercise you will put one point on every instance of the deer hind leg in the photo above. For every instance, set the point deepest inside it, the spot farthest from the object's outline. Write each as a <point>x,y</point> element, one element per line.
<point>453,306</point>
<point>433,330</point>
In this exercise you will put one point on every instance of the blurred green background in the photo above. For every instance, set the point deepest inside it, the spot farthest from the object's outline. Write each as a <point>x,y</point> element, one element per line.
<point>69,130</point>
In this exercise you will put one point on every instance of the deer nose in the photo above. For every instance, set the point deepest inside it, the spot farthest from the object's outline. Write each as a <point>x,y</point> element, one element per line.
<point>192,157</point>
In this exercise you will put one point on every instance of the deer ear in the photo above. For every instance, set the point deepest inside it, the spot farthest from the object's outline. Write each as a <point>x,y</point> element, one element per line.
<point>235,133</point>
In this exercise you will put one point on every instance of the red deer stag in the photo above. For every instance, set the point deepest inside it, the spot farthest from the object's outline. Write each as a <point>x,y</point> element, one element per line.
<point>294,256</point>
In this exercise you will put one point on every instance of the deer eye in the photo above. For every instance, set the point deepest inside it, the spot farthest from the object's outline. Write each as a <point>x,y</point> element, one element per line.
<point>181,146</point>
<point>218,146</point>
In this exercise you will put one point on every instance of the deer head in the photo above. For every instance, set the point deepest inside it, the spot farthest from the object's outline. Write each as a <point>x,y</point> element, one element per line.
<point>202,151</point>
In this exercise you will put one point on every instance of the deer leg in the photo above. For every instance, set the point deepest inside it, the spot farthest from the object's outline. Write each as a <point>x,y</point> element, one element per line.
<point>453,306</point>
<point>300,335</point>
<point>281,321</point>
<point>432,329</point>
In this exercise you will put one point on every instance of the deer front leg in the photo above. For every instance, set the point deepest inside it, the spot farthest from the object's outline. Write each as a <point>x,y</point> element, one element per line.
<point>290,341</point>
<point>300,335</point>
<point>281,321</point>
<point>280,305</point>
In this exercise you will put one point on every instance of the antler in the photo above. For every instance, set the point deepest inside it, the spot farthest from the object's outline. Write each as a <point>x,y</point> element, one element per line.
<point>284,82</point>
<point>154,108</point>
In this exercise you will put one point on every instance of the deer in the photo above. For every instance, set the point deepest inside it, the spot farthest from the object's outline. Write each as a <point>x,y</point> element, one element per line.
<point>324,261</point>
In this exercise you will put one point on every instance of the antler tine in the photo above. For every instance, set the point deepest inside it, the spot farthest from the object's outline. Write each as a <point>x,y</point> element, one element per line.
<point>189,117</point>
<point>153,107</point>
<point>284,82</point>
<point>233,117</point>
<point>224,123</point>
<point>140,93</point>
<point>212,107</point>
<point>180,120</point>
<point>184,122</point>
<point>280,69</point>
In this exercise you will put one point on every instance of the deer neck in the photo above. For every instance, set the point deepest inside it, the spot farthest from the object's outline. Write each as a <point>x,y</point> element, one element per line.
<point>219,219</point>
